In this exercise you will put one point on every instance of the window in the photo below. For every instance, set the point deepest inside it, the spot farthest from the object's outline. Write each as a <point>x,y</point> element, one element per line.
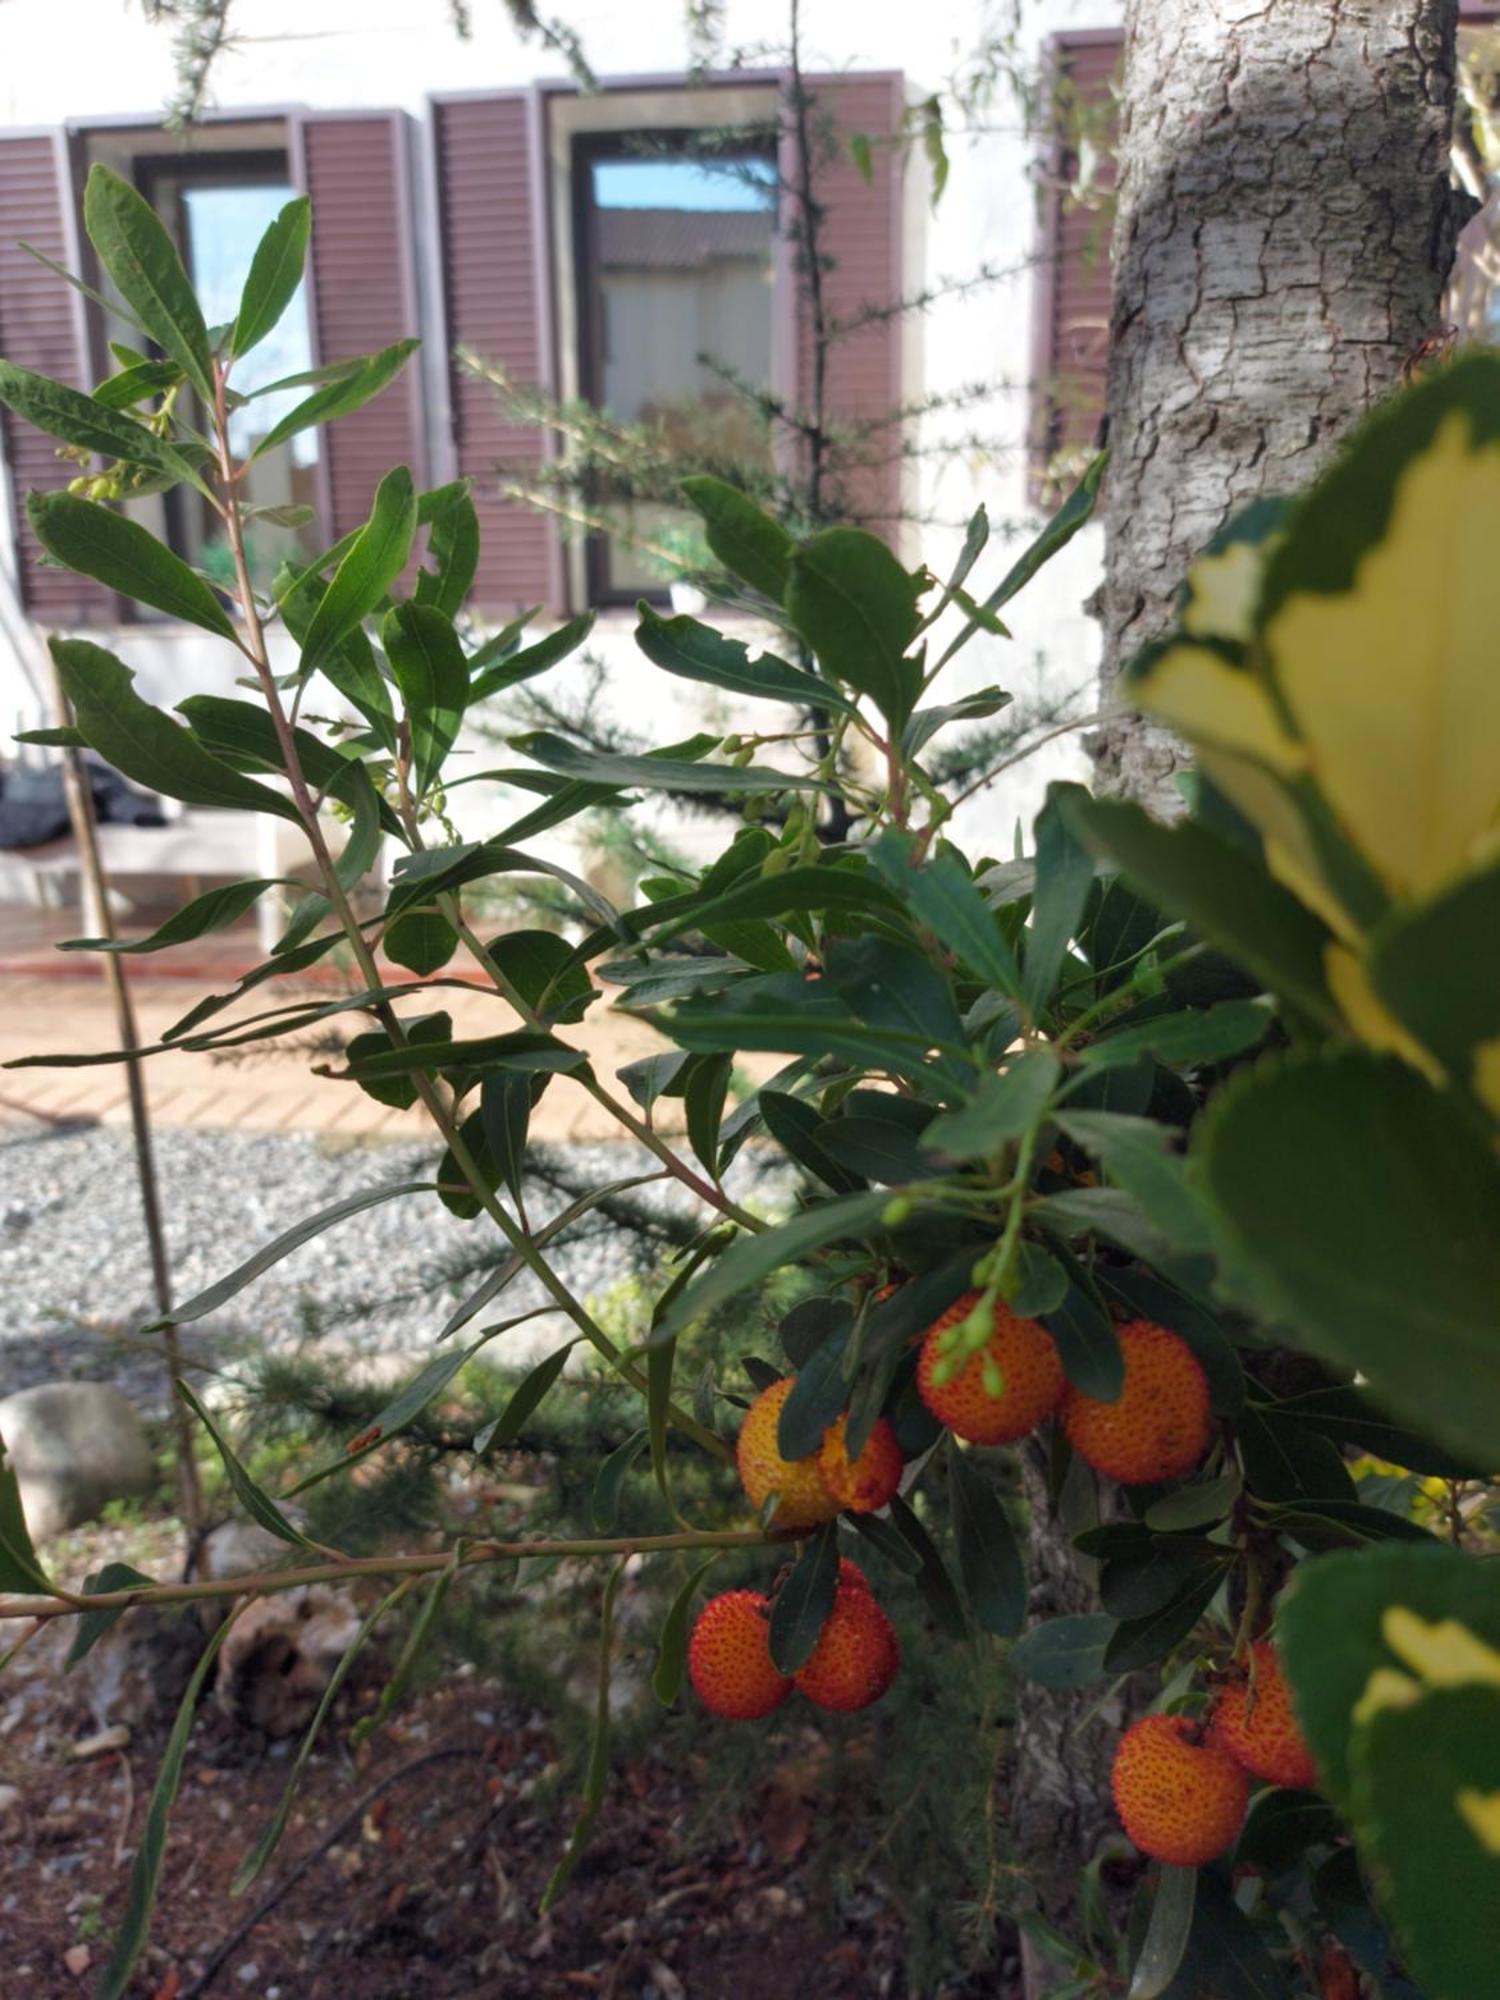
<point>218,207</point>
<point>675,251</point>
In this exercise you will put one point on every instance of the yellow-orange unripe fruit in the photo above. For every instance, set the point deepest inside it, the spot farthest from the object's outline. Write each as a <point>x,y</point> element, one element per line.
<point>1180,1799</point>
<point>872,1479</point>
<point>857,1655</point>
<point>1255,1722</point>
<point>1161,1425</point>
<point>805,1499</point>
<point>1030,1371</point>
<point>729,1657</point>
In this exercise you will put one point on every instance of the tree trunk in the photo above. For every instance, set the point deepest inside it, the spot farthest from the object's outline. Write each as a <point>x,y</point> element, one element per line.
<point>1284,230</point>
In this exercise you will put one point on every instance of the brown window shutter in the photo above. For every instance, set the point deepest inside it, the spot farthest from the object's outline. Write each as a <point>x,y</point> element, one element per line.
<point>1073,288</point>
<point>492,206</point>
<point>363,295</point>
<point>861,233</point>
<point>41,328</point>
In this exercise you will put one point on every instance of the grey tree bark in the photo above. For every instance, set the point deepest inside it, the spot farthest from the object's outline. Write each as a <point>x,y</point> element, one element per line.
<point>1284,230</point>
<point>1285,226</point>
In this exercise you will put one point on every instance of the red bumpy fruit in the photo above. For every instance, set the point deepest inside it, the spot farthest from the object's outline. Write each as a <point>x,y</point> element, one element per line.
<point>869,1481</point>
<point>805,1499</point>
<point>857,1655</point>
<point>1030,1369</point>
<point>1160,1427</point>
<point>1181,1799</point>
<point>729,1657</point>
<point>1256,1723</point>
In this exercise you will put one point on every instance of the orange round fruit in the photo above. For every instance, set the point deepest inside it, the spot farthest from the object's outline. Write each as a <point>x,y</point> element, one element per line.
<point>1181,1799</point>
<point>805,1499</point>
<point>729,1657</point>
<point>872,1479</point>
<point>857,1655</point>
<point>1161,1425</point>
<point>1030,1368</point>
<point>1255,1722</point>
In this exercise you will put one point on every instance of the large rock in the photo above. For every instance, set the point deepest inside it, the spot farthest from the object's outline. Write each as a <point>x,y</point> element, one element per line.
<point>73,1446</point>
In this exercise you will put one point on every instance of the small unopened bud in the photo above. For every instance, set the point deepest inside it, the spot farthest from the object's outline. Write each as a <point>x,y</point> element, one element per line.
<point>896,1211</point>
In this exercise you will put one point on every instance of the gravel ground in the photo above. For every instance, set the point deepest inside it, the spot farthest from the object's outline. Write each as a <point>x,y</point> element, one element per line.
<point>75,1279</point>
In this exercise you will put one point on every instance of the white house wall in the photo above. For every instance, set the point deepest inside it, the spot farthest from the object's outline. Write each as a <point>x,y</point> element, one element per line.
<point>73,60</point>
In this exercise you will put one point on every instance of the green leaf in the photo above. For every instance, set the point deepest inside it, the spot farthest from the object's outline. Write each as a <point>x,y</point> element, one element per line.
<point>1225,1955</point>
<point>1064,1652</point>
<point>798,1130</point>
<point>1006,1105</point>
<point>817,1398</point>
<point>1064,876</point>
<point>1199,1504</point>
<point>524,1399</point>
<point>879,1149</point>
<point>754,1258</point>
<point>242,732</point>
<point>604,1506</point>
<point>1343,1524</point>
<point>531,661</point>
<point>749,542</point>
<point>926,722</point>
<point>275,273</point>
<point>1220,889</point>
<point>19,1568</point>
<point>505,1107</point>
<point>257,1503</point>
<point>543,970</point>
<point>1141,1642</point>
<point>1359,1205</point>
<point>704,1087</point>
<point>433,676</point>
<point>420,940</point>
<point>598,1767</point>
<point>91,421</point>
<point>453,547</point>
<point>146,745</point>
<point>1166,1934</point>
<point>140,1897</point>
<point>347,392</point>
<point>377,557</point>
<point>351,666</point>
<point>208,912</point>
<point>1284,1461</point>
<point>1226,1029</point>
<point>856,607</point>
<point>413,1650</point>
<point>1351,1420</point>
<point>124,556</point>
<point>92,1625</point>
<point>1438,969</point>
<point>140,257</point>
<point>1136,1153</point>
<point>598,767</point>
<point>672,1648</point>
<point>823,888</point>
<point>1085,1335</point>
<point>1144,1580</point>
<point>933,1581</point>
<point>989,1560</point>
<point>1059,531</point>
<point>944,900</point>
<point>804,1601</point>
<point>695,652</point>
<point>271,1253</point>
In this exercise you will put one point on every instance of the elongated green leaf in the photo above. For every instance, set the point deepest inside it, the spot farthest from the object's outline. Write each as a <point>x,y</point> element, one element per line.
<point>926,722</point>
<point>1141,1642</point>
<point>1362,1207</point>
<point>657,773</point>
<point>1198,1505</point>
<point>671,1652</point>
<point>1284,1461</point>
<point>705,1084</point>
<point>1064,1652</point>
<point>804,1601</point>
<point>879,1149</point>
<point>139,255</point>
<point>1085,1335</point>
<point>1059,531</point>
<point>933,1580</point>
<point>19,1568</point>
<point>140,1897</point>
<point>530,661</point>
<point>433,676</point>
<point>1166,1934</point>
<point>695,652</point>
<point>413,1650</point>
<point>367,572</point>
<point>597,1774</point>
<point>134,384</point>
<point>943,899</point>
<point>146,745</point>
<point>989,1559</point>
<point>856,607</point>
<point>1136,1153</point>
<point>271,1253</point>
<point>1006,1105</point>
<point>266,1846</point>
<point>505,1105</point>
<point>242,732</point>
<point>1351,1420</point>
<point>452,547</point>
<point>1207,1036</point>
<point>797,1128</point>
<point>124,556</point>
<point>348,391</point>
<point>816,888</point>
<point>750,543</point>
<point>275,273</point>
<point>818,1395</point>
<point>753,1258</point>
<point>604,1504</point>
<point>93,1625</point>
<point>524,1399</point>
<point>256,1502</point>
<point>92,421</point>
<point>208,912</point>
<point>1064,875</point>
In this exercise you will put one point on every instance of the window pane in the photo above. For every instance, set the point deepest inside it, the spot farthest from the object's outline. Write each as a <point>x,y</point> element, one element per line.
<point>222,221</point>
<point>682,310</point>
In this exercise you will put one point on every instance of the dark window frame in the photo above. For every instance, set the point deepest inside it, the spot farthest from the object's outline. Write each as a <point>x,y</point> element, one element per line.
<point>585,151</point>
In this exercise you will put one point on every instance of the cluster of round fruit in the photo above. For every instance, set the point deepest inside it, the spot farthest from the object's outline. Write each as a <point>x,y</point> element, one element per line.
<point>853,1663</point>
<point>1182,1784</point>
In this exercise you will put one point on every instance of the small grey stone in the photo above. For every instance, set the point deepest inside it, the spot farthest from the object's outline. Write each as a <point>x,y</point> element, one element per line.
<point>73,1446</point>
